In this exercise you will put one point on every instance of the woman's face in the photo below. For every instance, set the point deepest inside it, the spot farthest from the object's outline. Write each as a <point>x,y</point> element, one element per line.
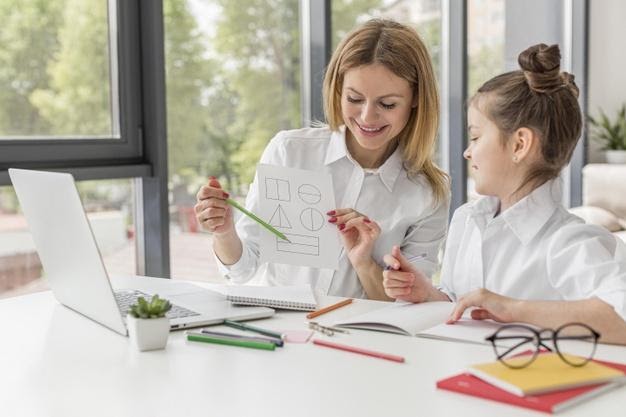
<point>375,106</point>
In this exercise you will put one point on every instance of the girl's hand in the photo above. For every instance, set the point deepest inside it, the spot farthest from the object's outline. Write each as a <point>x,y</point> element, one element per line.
<point>212,211</point>
<point>403,281</point>
<point>358,234</point>
<point>489,306</point>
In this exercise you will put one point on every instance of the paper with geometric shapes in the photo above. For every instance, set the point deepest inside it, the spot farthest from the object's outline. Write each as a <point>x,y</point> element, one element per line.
<point>295,202</point>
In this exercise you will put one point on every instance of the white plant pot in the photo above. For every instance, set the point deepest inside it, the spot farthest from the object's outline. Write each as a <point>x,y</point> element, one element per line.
<point>148,334</point>
<point>616,157</point>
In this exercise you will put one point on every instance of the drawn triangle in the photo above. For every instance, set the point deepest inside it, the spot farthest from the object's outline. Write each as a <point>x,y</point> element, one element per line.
<point>279,218</point>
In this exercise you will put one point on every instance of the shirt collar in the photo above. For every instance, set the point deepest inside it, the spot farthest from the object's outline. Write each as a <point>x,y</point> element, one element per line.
<point>337,146</point>
<point>388,172</point>
<point>526,217</point>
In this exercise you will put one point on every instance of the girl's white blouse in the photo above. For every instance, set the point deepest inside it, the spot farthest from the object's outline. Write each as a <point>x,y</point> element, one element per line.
<point>535,250</point>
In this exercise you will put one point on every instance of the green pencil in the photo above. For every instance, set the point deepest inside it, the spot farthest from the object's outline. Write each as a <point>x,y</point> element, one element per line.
<point>224,340</point>
<point>256,219</point>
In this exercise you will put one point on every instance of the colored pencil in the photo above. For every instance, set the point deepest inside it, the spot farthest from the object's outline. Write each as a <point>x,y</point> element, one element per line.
<point>256,219</point>
<point>224,340</point>
<point>244,326</point>
<point>326,309</point>
<point>360,351</point>
<point>274,340</point>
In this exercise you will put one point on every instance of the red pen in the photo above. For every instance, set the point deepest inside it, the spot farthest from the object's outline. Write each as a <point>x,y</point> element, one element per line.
<point>358,350</point>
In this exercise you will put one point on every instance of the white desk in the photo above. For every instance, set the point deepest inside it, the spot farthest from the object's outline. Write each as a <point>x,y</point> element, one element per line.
<point>54,362</point>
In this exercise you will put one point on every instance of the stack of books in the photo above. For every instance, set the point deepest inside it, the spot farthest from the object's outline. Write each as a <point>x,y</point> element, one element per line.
<point>548,384</point>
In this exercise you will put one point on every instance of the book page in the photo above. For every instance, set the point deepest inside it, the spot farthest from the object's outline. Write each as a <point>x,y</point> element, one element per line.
<point>401,318</point>
<point>295,202</point>
<point>464,330</point>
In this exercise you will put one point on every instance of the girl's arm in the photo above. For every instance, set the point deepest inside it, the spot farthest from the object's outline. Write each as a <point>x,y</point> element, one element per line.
<point>546,314</point>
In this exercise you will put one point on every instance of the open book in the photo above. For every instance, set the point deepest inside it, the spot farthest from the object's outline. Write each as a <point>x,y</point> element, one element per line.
<point>427,320</point>
<point>401,318</point>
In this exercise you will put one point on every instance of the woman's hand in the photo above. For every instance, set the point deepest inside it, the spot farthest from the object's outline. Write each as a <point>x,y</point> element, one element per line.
<point>489,306</point>
<point>212,211</point>
<point>358,234</point>
<point>404,282</point>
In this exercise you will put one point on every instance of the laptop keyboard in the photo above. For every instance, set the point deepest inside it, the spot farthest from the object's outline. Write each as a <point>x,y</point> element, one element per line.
<point>125,299</point>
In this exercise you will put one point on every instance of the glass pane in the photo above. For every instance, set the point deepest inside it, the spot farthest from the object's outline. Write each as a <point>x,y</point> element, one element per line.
<point>423,15</point>
<point>109,206</point>
<point>233,82</point>
<point>486,51</point>
<point>55,71</point>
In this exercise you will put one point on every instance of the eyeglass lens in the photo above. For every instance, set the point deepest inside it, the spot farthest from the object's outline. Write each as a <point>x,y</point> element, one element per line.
<point>511,341</point>
<point>576,332</point>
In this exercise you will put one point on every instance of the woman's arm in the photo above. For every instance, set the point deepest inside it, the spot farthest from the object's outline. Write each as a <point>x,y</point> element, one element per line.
<point>548,314</point>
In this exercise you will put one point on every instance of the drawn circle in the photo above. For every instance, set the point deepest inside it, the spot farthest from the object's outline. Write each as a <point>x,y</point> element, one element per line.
<point>311,219</point>
<point>310,194</point>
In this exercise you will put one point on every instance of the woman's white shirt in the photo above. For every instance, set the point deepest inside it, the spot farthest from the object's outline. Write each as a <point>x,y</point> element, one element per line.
<point>402,206</point>
<point>535,250</point>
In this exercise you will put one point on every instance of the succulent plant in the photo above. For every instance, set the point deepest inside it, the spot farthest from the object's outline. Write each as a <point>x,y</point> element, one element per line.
<point>156,308</point>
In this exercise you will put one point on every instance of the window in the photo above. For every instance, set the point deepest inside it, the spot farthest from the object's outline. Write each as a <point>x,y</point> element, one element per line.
<point>485,51</point>
<point>68,90</point>
<point>423,15</point>
<point>232,83</point>
<point>56,70</point>
<point>109,206</point>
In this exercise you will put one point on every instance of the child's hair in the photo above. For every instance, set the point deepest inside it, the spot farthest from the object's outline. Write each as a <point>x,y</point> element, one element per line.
<point>539,97</point>
<point>400,49</point>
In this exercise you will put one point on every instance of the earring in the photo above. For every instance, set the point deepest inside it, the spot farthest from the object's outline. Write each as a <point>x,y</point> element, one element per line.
<point>515,159</point>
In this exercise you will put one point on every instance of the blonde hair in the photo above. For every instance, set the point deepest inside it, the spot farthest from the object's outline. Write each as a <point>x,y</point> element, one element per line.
<point>400,49</point>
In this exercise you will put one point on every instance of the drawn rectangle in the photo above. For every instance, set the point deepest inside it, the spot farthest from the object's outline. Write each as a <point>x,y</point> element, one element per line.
<point>277,189</point>
<point>305,245</point>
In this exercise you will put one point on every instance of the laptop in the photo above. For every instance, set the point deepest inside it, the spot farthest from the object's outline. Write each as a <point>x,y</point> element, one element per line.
<point>75,271</point>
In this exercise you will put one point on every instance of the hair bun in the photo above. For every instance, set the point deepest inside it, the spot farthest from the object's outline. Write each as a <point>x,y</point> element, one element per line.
<point>541,66</point>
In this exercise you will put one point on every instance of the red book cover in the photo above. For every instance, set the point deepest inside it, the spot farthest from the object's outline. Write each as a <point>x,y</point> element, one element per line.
<point>550,403</point>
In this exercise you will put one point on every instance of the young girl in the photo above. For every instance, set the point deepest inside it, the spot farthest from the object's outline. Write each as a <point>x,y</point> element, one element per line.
<point>381,105</point>
<point>517,254</point>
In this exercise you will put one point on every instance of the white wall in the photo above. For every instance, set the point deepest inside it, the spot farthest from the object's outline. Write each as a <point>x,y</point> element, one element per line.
<point>607,61</point>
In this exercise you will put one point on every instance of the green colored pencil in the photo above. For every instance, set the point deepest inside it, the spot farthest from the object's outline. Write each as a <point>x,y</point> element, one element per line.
<point>256,219</point>
<point>223,340</point>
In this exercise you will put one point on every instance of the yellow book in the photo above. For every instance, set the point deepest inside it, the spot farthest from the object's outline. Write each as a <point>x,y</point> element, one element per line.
<point>547,373</point>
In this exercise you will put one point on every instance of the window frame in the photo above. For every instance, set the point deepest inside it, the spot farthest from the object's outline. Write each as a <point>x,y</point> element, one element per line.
<point>140,152</point>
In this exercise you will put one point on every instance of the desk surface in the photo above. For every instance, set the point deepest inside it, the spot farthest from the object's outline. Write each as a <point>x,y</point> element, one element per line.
<point>54,362</point>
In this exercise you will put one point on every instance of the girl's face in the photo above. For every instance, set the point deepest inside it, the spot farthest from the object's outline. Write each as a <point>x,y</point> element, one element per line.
<point>490,162</point>
<point>375,106</point>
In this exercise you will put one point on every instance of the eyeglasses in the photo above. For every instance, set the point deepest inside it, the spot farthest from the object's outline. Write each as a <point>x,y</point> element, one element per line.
<point>511,340</point>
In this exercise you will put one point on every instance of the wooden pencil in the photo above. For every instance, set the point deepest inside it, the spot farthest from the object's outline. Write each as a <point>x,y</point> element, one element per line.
<point>326,309</point>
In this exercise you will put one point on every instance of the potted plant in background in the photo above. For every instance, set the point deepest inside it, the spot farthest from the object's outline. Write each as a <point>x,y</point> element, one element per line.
<point>611,134</point>
<point>148,327</point>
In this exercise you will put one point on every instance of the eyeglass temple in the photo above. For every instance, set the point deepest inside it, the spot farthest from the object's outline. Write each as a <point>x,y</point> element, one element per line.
<point>512,348</point>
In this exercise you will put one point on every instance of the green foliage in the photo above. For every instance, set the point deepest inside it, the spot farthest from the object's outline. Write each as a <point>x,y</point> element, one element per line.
<point>610,133</point>
<point>258,43</point>
<point>484,65</point>
<point>156,308</point>
<point>28,40</point>
<point>77,99</point>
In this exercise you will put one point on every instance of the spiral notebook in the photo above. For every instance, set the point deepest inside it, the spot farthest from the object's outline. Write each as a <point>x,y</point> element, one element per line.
<point>295,297</point>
